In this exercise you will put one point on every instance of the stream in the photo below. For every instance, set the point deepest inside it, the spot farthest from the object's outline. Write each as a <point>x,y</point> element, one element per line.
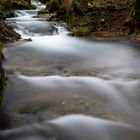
<point>61,87</point>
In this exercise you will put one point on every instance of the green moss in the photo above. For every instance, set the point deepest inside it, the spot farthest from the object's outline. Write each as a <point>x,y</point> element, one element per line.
<point>10,14</point>
<point>43,11</point>
<point>82,31</point>
<point>133,20</point>
<point>76,7</point>
<point>72,20</point>
<point>21,4</point>
<point>58,6</point>
<point>5,9</point>
<point>91,5</point>
<point>7,6</point>
<point>82,16</point>
<point>32,6</point>
<point>53,6</point>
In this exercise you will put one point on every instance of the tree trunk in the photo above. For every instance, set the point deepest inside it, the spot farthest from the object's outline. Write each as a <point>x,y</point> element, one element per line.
<point>137,10</point>
<point>69,6</point>
<point>133,20</point>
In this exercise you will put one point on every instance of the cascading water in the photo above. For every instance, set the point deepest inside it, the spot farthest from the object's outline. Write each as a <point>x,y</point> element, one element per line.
<point>55,75</point>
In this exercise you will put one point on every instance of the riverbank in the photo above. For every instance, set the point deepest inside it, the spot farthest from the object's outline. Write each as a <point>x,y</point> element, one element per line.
<point>7,32</point>
<point>7,7</point>
<point>7,35</point>
<point>101,19</point>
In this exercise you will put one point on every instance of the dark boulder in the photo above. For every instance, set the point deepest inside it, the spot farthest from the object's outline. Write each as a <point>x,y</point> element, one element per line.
<point>7,33</point>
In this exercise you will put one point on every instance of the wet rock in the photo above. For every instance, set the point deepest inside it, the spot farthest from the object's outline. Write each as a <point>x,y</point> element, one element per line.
<point>28,40</point>
<point>2,77</point>
<point>7,33</point>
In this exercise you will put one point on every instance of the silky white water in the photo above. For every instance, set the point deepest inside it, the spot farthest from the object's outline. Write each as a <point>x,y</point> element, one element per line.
<point>56,75</point>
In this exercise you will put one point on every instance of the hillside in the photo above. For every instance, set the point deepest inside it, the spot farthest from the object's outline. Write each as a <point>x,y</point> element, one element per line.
<point>96,18</point>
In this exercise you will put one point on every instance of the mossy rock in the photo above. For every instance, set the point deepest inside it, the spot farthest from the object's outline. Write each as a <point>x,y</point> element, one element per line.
<point>82,31</point>
<point>7,6</point>
<point>28,40</point>
<point>7,33</point>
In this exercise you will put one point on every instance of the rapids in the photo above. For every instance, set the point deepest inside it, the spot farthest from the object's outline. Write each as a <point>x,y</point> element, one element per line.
<point>51,74</point>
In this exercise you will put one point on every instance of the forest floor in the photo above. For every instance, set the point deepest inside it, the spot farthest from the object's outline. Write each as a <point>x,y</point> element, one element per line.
<point>112,19</point>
